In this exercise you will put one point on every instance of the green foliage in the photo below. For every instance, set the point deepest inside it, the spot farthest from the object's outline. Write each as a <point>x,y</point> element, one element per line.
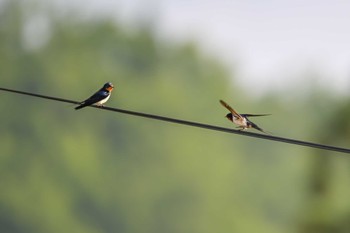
<point>63,170</point>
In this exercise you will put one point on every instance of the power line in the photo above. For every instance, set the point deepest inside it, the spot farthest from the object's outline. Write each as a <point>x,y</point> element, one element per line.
<point>194,124</point>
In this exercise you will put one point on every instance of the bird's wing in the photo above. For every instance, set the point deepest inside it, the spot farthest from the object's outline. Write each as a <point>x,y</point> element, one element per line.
<point>254,115</point>
<point>95,98</point>
<point>236,114</point>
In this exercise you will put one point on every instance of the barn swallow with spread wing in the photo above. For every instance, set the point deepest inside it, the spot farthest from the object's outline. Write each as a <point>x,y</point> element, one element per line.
<point>99,98</point>
<point>242,119</point>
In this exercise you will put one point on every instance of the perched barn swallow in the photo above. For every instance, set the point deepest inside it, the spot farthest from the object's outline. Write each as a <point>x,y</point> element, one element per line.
<point>99,98</point>
<point>242,119</point>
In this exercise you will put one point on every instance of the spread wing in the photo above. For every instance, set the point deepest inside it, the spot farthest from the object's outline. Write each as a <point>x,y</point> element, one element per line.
<point>254,115</point>
<point>234,113</point>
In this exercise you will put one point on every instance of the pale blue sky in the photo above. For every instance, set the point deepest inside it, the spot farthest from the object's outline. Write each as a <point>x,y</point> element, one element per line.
<point>269,44</point>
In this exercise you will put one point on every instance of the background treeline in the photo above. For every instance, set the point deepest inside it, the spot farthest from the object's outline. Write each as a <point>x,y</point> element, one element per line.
<point>94,171</point>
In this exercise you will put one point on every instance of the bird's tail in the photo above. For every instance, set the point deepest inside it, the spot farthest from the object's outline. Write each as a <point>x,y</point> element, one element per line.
<point>260,129</point>
<point>79,107</point>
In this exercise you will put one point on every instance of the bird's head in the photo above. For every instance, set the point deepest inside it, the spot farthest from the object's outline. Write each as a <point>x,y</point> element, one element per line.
<point>229,116</point>
<point>108,86</point>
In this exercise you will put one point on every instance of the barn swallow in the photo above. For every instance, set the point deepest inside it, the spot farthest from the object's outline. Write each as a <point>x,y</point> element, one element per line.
<point>242,119</point>
<point>99,98</point>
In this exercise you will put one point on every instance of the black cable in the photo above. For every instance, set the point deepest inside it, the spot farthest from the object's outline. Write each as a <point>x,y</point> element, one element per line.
<point>195,124</point>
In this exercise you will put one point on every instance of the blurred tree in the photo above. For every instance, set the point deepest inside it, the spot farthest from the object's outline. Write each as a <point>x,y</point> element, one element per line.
<point>325,210</point>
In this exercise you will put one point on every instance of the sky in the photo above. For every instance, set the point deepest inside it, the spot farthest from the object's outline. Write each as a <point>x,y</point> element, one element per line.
<point>266,44</point>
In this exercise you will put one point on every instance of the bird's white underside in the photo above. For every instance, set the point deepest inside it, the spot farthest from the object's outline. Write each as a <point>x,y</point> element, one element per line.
<point>240,121</point>
<point>101,102</point>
